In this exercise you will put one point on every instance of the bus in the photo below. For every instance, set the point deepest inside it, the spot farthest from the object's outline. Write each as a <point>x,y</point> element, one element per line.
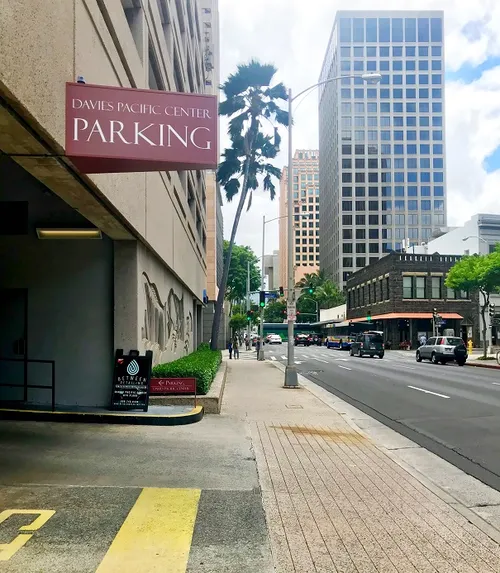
<point>341,335</point>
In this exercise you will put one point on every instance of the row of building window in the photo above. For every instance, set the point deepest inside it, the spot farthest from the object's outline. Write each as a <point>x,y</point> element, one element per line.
<point>360,220</point>
<point>394,135</point>
<point>385,66</point>
<point>373,30</point>
<point>398,163</point>
<point>398,205</point>
<point>399,191</point>
<point>389,149</point>
<point>429,287</point>
<point>396,176</point>
<point>385,93</point>
<point>386,107</point>
<point>385,51</point>
<point>388,121</point>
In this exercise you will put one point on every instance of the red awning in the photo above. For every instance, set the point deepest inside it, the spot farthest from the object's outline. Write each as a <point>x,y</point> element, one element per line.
<point>408,315</point>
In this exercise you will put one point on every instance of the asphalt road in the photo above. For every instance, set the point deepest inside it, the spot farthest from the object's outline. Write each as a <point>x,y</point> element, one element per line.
<point>450,410</point>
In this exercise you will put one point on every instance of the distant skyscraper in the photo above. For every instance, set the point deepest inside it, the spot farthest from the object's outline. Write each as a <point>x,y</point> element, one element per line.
<point>381,147</point>
<point>305,187</point>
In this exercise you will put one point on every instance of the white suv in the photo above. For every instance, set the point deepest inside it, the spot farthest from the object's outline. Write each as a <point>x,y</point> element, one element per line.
<point>274,339</point>
<point>442,349</point>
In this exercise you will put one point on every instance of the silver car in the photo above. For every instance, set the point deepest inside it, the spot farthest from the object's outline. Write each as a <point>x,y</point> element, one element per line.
<point>442,349</point>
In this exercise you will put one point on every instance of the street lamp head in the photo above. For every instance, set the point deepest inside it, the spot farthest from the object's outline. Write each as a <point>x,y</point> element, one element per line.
<point>372,77</point>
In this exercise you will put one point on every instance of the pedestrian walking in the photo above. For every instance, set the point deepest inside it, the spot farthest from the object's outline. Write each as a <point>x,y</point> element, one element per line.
<point>423,340</point>
<point>257,346</point>
<point>230,348</point>
<point>236,348</point>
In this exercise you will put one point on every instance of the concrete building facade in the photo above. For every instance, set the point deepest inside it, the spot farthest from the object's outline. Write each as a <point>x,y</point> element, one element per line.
<point>382,147</point>
<point>272,271</point>
<point>140,283</point>
<point>306,218</point>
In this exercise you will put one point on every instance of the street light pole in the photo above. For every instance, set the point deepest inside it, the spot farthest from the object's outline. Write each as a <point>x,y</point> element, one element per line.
<point>262,286</point>
<point>249,322</point>
<point>291,380</point>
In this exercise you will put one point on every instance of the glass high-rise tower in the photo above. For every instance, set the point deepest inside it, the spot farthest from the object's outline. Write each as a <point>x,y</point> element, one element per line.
<point>381,147</point>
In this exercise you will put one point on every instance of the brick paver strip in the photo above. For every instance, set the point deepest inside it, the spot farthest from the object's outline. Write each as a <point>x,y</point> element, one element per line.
<point>337,503</point>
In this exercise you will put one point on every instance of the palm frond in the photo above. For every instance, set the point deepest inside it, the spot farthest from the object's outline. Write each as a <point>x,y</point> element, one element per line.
<point>272,170</point>
<point>231,105</point>
<point>277,138</point>
<point>253,74</point>
<point>229,167</point>
<point>252,181</point>
<point>250,197</point>
<point>282,117</point>
<point>277,92</point>
<point>232,188</point>
<point>269,186</point>
<point>236,125</point>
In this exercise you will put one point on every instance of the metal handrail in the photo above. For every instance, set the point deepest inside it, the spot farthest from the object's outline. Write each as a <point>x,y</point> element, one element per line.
<point>52,387</point>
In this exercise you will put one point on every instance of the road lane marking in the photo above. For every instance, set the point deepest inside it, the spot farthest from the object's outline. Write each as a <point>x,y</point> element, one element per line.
<point>320,360</point>
<point>298,362</point>
<point>7,550</point>
<point>273,357</point>
<point>496,383</point>
<point>428,392</point>
<point>157,533</point>
<point>341,360</point>
<point>344,367</point>
<point>283,357</point>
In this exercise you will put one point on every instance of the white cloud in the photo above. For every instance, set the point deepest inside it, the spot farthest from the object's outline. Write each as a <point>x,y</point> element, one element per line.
<point>293,35</point>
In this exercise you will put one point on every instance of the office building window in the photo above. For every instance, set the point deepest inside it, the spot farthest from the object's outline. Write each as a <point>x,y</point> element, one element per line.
<point>450,293</point>
<point>407,287</point>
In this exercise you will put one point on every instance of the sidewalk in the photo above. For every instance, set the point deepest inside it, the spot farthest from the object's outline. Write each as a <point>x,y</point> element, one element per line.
<point>335,501</point>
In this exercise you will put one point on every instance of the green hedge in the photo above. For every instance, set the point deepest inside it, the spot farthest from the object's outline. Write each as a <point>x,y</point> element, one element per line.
<point>202,364</point>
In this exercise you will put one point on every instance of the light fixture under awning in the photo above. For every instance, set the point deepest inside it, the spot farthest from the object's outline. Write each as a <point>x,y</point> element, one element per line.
<point>69,233</point>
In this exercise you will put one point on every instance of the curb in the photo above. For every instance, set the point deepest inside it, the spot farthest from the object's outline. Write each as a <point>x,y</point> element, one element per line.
<point>480,365</point>
<point>137,419</point>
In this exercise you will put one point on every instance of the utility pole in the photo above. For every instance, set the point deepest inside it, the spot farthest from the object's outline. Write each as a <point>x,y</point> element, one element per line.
<point>262,286</point>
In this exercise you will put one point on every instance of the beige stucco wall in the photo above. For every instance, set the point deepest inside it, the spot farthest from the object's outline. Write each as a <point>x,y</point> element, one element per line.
<point>46,43</point>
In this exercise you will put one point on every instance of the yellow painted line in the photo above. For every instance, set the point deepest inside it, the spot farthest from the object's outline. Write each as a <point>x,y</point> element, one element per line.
<point>156,535</point>
<point>192,412</point>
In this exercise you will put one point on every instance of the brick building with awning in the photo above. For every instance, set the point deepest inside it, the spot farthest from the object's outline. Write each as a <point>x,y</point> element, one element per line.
<point>398,294</point>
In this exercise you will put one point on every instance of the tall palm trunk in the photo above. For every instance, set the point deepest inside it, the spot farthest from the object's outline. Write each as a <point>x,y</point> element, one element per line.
<point>225,273</point>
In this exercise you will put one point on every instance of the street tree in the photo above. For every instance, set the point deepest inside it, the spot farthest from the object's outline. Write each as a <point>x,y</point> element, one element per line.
<point>238,322</point>
<point>236,288</point>
<point>275,311</point>
<point>477,273</point>
<point>251,104</point>
<point>314,280</point>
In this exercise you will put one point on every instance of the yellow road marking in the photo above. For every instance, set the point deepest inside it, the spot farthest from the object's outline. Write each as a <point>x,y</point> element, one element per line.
<point>156,535</point>
<point>7,550</point>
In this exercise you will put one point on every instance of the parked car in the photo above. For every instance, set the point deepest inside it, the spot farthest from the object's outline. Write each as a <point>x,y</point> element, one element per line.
<point>370,343</point>
<point>302,339</point>
<point>274,339</point>
<point>443,349</point>
<point>268,336</point>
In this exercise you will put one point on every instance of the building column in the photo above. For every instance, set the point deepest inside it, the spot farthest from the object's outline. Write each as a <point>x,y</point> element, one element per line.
<point>126,284</point>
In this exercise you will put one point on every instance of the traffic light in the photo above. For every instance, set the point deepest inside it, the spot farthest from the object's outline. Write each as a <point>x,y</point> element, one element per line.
<point>310,290</point>
<point>282,291</point>
<point>491,310</point>
<point>435,314</point>
<point>368,315</point>
<point>262,299</point>
<point>249,315</point>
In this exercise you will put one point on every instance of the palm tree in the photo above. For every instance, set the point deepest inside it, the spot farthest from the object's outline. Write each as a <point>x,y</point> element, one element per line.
<point>250,100</point>
<point>311,279</point>
<point>329,295</point>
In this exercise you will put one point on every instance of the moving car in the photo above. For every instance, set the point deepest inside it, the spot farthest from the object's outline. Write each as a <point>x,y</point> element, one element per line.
<point>370,343</point>
<point>274,339</point>
<point>443,349</point>
<point>316,339</point>
<point>302,339</point>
